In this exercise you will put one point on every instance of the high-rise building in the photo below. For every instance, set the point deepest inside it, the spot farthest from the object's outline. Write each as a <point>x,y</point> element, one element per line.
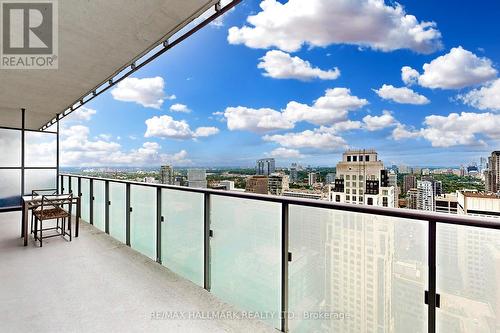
<point>409,182</point>
<point>167,175</point>
<point>257,184</point>
<point>312,178</point>
<point>362,179</point>
<point>425,196</point>
<point>330,178</point>
<point>294,174</point>
<point>412,198</point>
<point>393,181</point>
<point>492,174</point>
<point>197,178</point>
<point>483,162</point>
<point>265,166</point>
<point>277,183</point>
<point>437,185</point>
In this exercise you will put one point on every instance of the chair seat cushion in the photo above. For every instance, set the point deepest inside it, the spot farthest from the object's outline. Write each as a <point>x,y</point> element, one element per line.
<point>50,214</point>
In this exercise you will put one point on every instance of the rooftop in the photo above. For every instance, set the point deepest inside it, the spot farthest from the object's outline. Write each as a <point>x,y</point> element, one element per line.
<point>97,284</point>
<point>480,195</point>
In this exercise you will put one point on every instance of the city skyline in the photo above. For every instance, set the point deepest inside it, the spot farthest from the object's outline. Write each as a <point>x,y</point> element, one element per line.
<point>305,101</point>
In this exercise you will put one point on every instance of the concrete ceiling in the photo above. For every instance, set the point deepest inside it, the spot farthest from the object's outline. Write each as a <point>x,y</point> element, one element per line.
<point>97,39</point>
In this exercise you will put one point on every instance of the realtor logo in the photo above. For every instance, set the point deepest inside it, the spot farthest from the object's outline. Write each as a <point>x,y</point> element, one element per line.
<point>29,35</point>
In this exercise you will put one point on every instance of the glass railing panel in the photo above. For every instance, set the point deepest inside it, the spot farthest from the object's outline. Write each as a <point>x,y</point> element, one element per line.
<point>39,179</point>
<point>10,188</point>
<point>65,184</point>
<point>85,199</point>
<point>99,205</point>
<point>468,279</point>
<point>354,272</point>
<point>182,233</point>
<point>74,186</point>
<point>143,220</point>
<point>117,211</point>
<point>246,254</point>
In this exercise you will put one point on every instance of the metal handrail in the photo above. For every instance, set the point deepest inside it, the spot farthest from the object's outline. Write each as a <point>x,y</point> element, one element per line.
<point>445,218</point>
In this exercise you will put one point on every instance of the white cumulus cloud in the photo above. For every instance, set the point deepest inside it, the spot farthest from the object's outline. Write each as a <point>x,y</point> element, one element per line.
<point>148,92</point>
<point>409,75</point>
<point>178,107</point>
<point>329,109</point>
<point>455,129</point>
<point>205,131</point>
<point>367,23</point>
<point>375,123</point>
<point>168,127</point>
<point>83,113</point>
<point>77,149</point>
<point>402,95</point>
<point>285,153</point>
<point>403,132</point>
<point>317,139</point>
<point>280,65</point>
<point>485,98</point>
<point>455,70</point>
<point>255,120</point>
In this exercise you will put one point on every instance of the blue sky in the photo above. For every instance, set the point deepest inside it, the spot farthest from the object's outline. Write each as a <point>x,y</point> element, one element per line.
<point>319,89</point>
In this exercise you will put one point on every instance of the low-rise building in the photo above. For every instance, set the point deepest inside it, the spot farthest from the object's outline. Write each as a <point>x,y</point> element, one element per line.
<point>227,184</point>
<point>447,203</point>
<point>197,178</point>
<point>257,184</point>
<point>304,194</point>
<point>478,204</point>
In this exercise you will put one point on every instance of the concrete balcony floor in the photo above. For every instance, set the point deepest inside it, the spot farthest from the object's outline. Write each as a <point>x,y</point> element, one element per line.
<point>96,284</point>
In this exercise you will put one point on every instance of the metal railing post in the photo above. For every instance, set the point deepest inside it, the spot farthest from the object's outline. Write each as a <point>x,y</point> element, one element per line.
<point>79,206</point>
<point>70,190</point>
<point>127,216</point>
<point>432,299</point>
<point>91,201</point>
<point>61,189</point>
<point>106,207</point>
<point>159,219</point>
<point>206,245</point>
<point>285,257</point>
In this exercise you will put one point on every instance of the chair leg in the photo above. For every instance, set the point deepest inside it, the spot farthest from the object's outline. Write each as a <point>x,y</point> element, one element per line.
<point>41,232</point>
<point>69,228</point>
<point>36,229</point>
<point>31,227</point>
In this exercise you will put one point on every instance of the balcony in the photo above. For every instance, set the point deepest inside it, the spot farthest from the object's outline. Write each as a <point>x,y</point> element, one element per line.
<point>329,267</point>
<point>97,284</point>
<point>156,250</point>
